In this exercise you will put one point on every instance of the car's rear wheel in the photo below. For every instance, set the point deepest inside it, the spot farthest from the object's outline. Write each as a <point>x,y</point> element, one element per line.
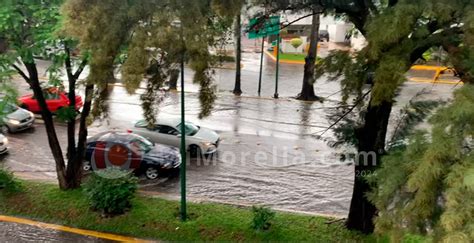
<point>152,173</point>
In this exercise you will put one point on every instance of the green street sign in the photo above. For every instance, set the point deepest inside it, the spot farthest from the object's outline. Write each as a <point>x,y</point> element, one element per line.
<point>259,28</point>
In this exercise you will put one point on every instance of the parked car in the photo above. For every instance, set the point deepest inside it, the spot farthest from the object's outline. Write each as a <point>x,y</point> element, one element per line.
<point>324,35</point>
<point>55,100</point>
<point>130,152</point>
<point>199,140</point>
<point>3,144</point>
<point>15,119</point>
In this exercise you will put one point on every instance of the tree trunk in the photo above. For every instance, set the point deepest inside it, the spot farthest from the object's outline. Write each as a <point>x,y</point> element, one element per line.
<point>76,155</point>
<point>71,123</point>
<point>74,169</point>
<point>307,91</point>
<point>48,123</point>
<point>238,54</point>
<point>371,138</point>
<point>174,76</point>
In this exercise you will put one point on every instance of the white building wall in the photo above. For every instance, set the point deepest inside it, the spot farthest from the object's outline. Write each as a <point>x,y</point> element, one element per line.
<point>337,28</point>
<point>337,33</point>
<point>325,20</point>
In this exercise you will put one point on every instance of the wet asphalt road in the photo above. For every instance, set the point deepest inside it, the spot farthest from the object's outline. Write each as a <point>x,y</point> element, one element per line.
<point>269,155</point>
<point>19,233</point>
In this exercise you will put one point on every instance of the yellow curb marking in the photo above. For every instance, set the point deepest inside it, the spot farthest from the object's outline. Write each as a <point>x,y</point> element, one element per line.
<point>429,68</point>
<point>95,234</point>
<point>426,80</point>
<point>282,61</point>
<point>438,70</point>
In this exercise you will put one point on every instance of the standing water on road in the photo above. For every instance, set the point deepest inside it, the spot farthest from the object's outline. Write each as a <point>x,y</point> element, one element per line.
<point>269,154</point>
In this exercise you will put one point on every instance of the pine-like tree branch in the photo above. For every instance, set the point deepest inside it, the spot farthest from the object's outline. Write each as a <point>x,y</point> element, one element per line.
<point>348,112</point>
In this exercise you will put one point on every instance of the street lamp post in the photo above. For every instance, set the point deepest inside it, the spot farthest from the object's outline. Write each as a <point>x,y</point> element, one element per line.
<point>183,146</point>
<point>182,172</point>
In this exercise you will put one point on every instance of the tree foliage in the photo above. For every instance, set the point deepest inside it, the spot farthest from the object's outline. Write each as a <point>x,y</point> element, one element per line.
<point>27,29</point>
<point>158,35</point>
<point>427,187</point>
<point>397,37</point>
<point>27,25</point>
<point>398,33</point>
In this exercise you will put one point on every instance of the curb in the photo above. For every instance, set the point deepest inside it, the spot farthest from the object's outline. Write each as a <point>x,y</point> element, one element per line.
<point>91,233</point>
<point>283,61</point>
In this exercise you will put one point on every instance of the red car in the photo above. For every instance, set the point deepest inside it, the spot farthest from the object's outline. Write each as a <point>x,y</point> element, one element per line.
<point>55,99</point>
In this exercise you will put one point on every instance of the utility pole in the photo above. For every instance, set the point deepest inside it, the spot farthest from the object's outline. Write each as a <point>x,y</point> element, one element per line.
<point>277,66</point>
<point>261,67</point>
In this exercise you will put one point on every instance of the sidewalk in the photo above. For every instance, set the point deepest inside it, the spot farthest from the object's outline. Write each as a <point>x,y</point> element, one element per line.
<point>14,229</point>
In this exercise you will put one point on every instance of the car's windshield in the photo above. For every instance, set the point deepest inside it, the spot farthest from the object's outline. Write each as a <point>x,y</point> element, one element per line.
<point>143,144</point>
<point>190,129</point>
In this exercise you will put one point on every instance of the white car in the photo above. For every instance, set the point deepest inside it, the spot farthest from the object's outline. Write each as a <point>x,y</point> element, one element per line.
<point>3,144</point>
<point>199,140</point>
<point>16,119</point>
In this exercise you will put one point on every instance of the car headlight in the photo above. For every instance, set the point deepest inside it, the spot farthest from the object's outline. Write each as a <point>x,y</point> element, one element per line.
<point>5,141</point>
<point>207,144</point>
<point>14,122</point>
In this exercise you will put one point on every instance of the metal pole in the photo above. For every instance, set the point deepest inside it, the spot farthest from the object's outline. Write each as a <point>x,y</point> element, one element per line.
<point>261,68</point>
<point>277,67</point>
<point>183,144</point>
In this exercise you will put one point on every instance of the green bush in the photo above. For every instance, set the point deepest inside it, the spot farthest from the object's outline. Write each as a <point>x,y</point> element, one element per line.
<point>8,183</point>
<point>111,191</point>
<point>262,218</point>
<point>296,42</point>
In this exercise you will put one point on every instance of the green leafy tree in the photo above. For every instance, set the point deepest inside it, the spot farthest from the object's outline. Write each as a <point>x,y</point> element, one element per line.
<point>427,186</point>
<point>398,33</point>
<point>28,27</point>
<point>158,35</point>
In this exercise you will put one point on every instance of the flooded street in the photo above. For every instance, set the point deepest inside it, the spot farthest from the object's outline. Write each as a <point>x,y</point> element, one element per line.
<point>270,152</point>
